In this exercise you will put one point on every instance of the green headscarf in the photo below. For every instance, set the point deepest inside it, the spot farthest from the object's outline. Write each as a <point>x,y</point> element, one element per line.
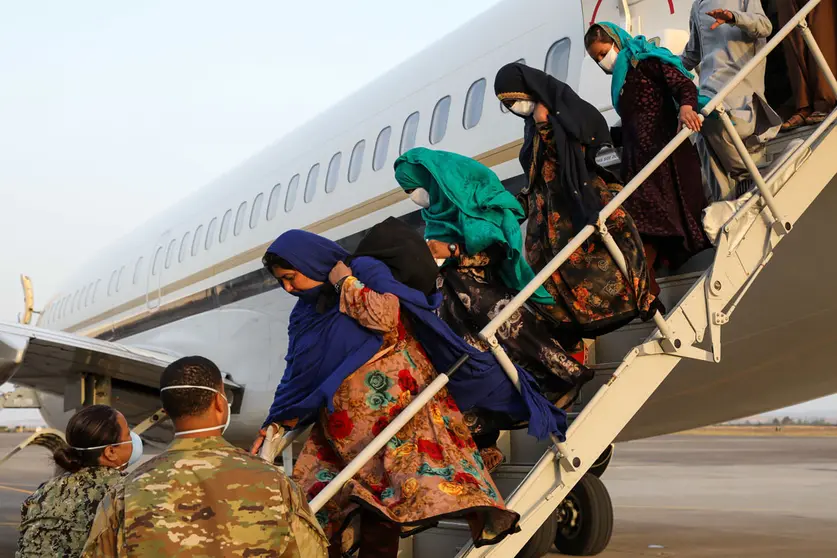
<point>469,204</point>
<point>631,51</point>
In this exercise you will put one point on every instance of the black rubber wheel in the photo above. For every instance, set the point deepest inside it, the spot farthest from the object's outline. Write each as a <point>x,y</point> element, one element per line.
<point>541,543</point>
<point>585,519</point>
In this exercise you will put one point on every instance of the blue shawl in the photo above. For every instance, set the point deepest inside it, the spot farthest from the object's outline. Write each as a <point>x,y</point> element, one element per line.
<point>325,348</point>
<point>632,50</point>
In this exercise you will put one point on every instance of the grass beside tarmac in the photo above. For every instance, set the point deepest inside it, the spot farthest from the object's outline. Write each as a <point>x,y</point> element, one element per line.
<point>789,430</point>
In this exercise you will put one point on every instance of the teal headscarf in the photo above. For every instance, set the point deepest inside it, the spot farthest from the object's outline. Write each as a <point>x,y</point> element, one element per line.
<point>469,204</point>
<point>631,51</point>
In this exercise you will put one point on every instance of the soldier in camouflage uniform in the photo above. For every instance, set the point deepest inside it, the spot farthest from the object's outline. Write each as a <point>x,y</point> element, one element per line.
<point>203,497</point>
<point>56,519</point>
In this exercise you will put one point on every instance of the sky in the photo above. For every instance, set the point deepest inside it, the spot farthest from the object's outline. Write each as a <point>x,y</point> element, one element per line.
<point>112,111</point>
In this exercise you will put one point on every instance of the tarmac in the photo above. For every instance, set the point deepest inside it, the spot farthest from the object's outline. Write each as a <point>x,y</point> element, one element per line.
<point>674,496</point>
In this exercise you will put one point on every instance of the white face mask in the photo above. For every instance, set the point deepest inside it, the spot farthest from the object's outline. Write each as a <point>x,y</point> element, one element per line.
<point>136,449</point>
<point>211,428</point>
<point>609,61</point>
<point>523,108</point>
<point>420,197</point>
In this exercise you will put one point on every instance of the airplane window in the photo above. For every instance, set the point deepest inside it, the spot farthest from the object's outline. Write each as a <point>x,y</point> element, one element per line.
<point>408,133</point>
<point>225,226</point>
<point>558,60</point>
<point>170,253</point>
<point>256,212</point>
<point>381,148</point>
<point>356,160</point>
<point>119,278</point>
<point>502,106</point>
<point>210,232</point>
<point>155,266</point>
<point>240,216</point>
<point>112,282</point>
<point>439,120</point>
<point>273,202</point>
<point>311,183</point>
<point>95,291</point>
<point>333,172</point>
<point>184,246</point>
<point>137,270</point>
<point>290,197</point>
<point>196,242</point>
<point>473,104</point>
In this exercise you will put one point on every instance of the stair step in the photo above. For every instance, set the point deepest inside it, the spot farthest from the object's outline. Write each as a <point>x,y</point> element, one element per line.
<point>446,539</point>
<point>615,345</point>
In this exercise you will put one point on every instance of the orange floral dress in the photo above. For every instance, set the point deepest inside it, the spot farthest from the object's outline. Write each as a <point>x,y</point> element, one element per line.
<point>429,471</point>
<point>592,296</point>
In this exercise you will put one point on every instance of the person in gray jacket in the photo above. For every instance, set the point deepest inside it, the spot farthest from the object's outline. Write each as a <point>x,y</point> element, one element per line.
<point>724,36</point>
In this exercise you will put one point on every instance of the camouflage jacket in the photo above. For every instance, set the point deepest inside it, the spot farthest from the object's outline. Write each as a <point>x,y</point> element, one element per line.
<point>203,497</point>
<point>56,518</point>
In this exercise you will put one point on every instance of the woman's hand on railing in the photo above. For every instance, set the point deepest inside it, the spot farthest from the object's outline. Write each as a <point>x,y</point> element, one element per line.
<point>689,118</point>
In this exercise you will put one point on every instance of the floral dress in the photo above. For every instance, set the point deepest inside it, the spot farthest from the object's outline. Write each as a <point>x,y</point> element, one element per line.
<point>592,296</point>
<point>474,293</point>
<point>429,471</point>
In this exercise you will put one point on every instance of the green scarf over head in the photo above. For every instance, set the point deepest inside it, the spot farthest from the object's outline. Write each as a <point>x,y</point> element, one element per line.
<point>469,205</point>
<point>632,50</point>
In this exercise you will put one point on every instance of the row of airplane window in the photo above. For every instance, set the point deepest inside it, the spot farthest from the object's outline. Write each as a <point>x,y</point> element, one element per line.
<point>556,64</point>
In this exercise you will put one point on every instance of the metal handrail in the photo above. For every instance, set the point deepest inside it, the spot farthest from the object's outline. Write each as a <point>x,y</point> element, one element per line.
<point>488,333</point>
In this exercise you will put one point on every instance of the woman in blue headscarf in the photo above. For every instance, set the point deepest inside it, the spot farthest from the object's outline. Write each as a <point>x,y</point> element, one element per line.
<point>654,94</point>
<point>361,346</point>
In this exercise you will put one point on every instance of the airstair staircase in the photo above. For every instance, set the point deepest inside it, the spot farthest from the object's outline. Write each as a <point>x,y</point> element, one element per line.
<point>633,363</point>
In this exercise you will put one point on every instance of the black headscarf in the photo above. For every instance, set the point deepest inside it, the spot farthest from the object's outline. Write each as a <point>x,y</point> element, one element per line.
<point>575,123</point>
<point>405,253</point>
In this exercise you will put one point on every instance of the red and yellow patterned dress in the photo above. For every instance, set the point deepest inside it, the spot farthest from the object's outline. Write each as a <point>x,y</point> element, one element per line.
<point>429,471</point>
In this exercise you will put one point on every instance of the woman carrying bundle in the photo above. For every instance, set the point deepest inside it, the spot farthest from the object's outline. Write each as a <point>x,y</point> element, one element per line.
<point>361,346</point>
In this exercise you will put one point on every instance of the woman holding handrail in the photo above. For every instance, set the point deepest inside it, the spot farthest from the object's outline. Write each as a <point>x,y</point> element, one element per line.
<point>472,226</point>
<point>361,346</point>
<point>655,96</point>
<point>566,192</point>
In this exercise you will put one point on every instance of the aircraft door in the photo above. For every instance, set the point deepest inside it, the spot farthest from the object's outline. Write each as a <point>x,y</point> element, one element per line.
<point>156,270</point>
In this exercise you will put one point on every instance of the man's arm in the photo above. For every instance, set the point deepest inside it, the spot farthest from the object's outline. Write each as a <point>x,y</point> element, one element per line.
<point>750,18</point>
<point>691,54</point>
<point>108,526</point>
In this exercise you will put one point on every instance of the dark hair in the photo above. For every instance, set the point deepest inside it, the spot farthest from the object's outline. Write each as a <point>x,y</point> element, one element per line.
<point>269,260</point>
<point>96,425</point>
<point>189,371</point>
<point>596,34</point>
